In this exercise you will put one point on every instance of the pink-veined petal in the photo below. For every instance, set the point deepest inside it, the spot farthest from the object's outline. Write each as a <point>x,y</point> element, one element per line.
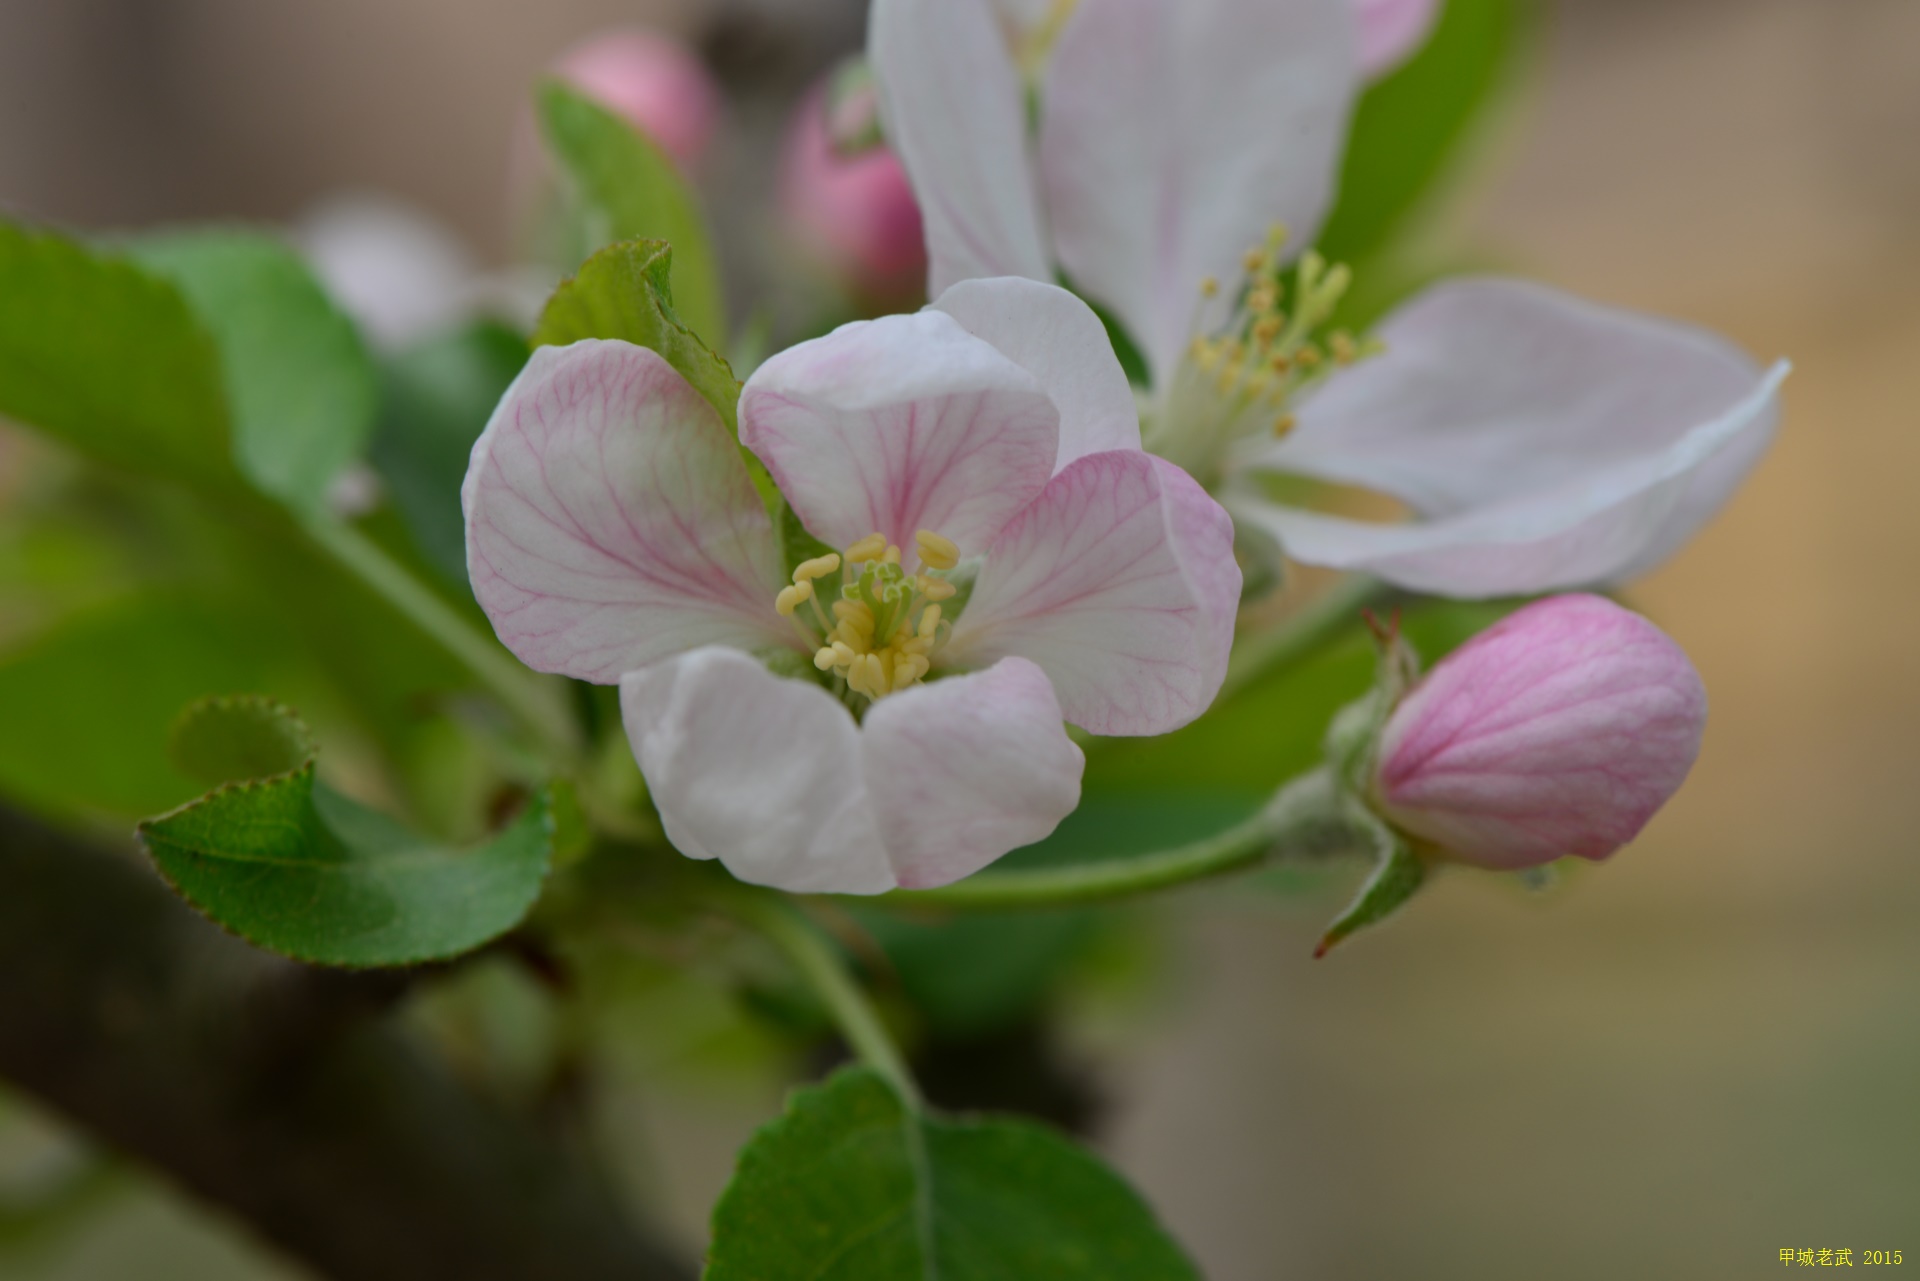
<point>1174,133</point>
<point>611,521</point>
<point>956,113</point>
<point>1545,442</point>
<point>1054,336</point>
<point>1120,582</point>
<point>965,769</point>
<point>1391,30</point>
<point>760,772</point>
<point>898,425</point>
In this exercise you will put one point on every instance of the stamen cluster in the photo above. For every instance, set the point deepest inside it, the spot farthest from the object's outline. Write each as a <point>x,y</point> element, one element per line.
<point>887,623</point>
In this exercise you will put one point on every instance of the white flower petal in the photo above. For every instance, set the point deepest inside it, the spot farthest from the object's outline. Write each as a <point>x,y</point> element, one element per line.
<point>1173,133</point>
<point>1120,583</point>
<point>758,771</point>
<point>898,425</point>
<point>611,521</point>
<point>1054,336</point>
<point>955,112</point>
<point>1546,442</point>
<point>968,768</point>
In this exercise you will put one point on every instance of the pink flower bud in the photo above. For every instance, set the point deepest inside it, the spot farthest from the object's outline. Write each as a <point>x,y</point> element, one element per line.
<point>846,198</point>
<point>1559,730</point>
<point>657,84</point>
<point>1391,30</point>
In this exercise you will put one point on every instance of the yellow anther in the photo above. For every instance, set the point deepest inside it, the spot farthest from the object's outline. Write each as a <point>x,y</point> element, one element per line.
<point>868,548</point>
<point>893,555</point>
<point>1266,331</point>
<point>791,598</point>
<point>826,658</point>
<point>1309,357</point>
<point>1283,424</point>
<point>1255,260</point>
<point>929,622</point>
<point>1280,362</point>
<point>909,670</point>
<point>1261,301</point>
<point>1343,348</point>
<point>1209,286</point>
<point>819,567</point>
<point>937,552</point>
<point>937,589</point>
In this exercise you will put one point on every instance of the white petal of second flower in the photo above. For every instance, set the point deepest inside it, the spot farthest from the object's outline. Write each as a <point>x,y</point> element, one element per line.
<point>1173,133</point>
<point>967,769</point>
<point>1120,583</point>
<point>611,521</point>
<point>1548,442</point>
<point>758,771</point>
<point>956,113</point>
<point>1054,336</point>
<point>901,424</point>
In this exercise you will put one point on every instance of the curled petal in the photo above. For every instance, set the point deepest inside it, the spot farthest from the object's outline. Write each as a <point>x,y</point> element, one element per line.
<point>956,112</point>
<point>1120,582</point>
<point>758,771</point>
<point>611,521</point>
<point>898,425</point>
<point>1560,730</point>
<point>966,769</point>
<point>1173,133</point>
<point>1054,336</point>
<point>1544,442</point>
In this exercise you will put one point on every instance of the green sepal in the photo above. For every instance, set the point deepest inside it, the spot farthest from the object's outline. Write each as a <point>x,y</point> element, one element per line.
<point>300,385</point>
<point>852,1183</point>
<point>626,188</point>
<point>1398,874</point>
<point>626,292</point>
<point>294,867</point>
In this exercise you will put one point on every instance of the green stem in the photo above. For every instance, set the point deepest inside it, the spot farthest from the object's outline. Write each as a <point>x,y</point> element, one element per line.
<point>533,699</point>
<point>1305,634</point>
<point>1306,819</point>
<point>827,974</point>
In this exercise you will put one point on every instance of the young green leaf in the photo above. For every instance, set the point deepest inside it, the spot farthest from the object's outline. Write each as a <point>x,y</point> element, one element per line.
<point>439,396</point>
<point>851,1184</point>
<point>109,359</point>
<point>629,189</point>
<point>626,291</point>
<point>293,866</point>
<point>299,381</point>
<point>232,739</point>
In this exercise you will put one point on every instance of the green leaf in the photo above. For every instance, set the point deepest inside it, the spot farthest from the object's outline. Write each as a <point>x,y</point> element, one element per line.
<point>1398,875</point>
<point>102,690</point>
<point>850,1185</point>
<point>626,291</point>
<point>1410,126</point>
<point>295,867</point>
<point>230,739</point>
<point>630,190</point>
<point>439,396</point>
<point>299,380</point>
<point>107,358</point>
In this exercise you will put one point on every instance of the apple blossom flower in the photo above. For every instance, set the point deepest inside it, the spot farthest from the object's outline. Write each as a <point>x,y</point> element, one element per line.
<point>657,84</point>
<point>844,195</point>
<point>998,554</point>
<point>1184,152</point>
<point>1560,730</point>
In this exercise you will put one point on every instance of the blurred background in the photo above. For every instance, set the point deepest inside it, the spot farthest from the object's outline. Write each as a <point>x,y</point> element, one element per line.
<point>1674,1067</point>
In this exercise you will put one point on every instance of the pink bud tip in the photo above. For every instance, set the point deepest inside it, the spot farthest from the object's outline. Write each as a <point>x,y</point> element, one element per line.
<point>657,84</point>
<point>854,212</point>
<point>1391,30</point>
<point>1560,730</point>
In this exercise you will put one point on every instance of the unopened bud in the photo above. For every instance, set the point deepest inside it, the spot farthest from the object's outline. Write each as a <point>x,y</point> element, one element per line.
<point>846,200</point>
<point>1560,730</point>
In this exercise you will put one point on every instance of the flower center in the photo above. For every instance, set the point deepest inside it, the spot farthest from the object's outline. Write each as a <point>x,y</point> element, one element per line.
<point>886,624</point>
<point>1243,375</point>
